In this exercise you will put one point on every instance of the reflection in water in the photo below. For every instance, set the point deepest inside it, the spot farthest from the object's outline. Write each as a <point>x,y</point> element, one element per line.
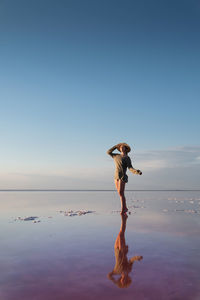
<point>123,266</point>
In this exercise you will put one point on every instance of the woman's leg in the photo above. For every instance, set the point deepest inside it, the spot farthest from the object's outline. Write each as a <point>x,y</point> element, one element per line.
<point>120,185</point>
<point>117,184</point>
<point>122,196</point>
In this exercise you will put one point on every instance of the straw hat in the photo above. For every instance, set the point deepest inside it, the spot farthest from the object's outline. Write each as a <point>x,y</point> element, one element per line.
<point>124,144</point>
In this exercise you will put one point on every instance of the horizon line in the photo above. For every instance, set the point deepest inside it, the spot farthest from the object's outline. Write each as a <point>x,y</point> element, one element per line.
<point>97,190</point>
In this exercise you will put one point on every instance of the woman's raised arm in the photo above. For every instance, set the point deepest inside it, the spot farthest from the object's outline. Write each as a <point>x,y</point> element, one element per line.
<point>109,152</point>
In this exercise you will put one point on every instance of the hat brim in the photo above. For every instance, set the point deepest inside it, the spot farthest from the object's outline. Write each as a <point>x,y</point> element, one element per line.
<point>124,144</point>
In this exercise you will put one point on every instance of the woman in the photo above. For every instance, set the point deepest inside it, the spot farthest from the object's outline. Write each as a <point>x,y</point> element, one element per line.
<point>122,161</point>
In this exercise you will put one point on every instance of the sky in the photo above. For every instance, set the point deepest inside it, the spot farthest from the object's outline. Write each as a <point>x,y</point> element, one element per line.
<point>79,76</point>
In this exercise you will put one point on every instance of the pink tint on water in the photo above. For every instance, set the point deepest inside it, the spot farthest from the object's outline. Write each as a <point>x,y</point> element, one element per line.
<point>70,257</point>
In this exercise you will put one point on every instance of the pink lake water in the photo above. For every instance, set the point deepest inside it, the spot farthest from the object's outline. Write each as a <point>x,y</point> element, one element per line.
<point>69,257</point>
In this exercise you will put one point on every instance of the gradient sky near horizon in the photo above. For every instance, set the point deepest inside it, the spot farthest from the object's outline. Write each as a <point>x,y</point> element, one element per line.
<point>77,77</point>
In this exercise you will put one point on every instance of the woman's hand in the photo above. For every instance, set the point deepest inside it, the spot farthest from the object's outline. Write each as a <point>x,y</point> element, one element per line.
<point>139,172</point>
<point>110,275</point>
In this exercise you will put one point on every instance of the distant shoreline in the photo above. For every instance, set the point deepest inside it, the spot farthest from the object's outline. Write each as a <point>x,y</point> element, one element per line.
<point>90,190</point>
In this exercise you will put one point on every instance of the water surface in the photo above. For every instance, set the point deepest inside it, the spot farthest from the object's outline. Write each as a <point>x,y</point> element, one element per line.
<point>64,257</point>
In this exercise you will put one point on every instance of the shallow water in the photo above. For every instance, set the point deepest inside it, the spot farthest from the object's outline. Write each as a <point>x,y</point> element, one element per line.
<point>70,257</point>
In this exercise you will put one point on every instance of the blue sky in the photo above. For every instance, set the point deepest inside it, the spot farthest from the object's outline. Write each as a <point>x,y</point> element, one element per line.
<point>77,77</point>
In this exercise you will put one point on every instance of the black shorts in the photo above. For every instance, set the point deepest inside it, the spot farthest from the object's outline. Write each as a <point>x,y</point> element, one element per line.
<point>125,178</point>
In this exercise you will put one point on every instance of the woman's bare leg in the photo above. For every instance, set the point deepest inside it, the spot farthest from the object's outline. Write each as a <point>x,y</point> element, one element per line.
<point>122,196</point>
<point>117,184</point>
<point>120,185</point>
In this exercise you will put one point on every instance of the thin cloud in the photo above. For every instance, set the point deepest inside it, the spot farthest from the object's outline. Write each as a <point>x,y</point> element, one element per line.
<point>171,158</point>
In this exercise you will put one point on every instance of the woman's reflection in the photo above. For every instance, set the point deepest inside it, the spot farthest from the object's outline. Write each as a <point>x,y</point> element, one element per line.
<point>123,266</point>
